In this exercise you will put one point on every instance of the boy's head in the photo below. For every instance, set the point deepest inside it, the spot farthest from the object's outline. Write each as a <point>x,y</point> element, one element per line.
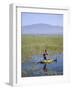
<point>45,50</point>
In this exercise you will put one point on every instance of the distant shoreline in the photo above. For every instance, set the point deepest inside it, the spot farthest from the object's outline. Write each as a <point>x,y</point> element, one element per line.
<point>42,34</point>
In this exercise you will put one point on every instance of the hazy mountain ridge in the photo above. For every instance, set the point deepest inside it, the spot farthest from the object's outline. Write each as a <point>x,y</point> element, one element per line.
<point>42,29</point>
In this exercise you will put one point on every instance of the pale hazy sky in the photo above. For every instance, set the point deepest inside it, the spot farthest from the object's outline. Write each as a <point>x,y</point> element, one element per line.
<point>35,18</point>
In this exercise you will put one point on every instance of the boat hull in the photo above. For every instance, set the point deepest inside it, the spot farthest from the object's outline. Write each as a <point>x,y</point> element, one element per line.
<point>49,61</point>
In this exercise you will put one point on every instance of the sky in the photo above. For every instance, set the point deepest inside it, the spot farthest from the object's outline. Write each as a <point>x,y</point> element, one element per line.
<point>45,18</point>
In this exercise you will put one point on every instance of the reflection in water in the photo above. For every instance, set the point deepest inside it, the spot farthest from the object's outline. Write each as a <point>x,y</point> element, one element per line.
<point>32,68</point>
<point>44,68</point>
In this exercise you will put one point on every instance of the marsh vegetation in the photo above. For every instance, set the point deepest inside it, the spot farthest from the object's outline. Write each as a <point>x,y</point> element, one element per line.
<point>35,44</point>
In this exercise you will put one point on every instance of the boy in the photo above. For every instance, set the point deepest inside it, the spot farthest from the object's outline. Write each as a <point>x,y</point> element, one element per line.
<point>45,58</point>
<point>44,54</point>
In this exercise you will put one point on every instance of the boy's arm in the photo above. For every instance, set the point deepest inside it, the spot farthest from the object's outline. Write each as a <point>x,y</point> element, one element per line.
<point>47,53</point>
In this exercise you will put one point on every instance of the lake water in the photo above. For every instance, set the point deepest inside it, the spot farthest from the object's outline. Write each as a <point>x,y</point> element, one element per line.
<point>32,68</point>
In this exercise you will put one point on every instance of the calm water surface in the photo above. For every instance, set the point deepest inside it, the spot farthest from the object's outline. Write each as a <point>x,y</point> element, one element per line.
<point>31,68</point>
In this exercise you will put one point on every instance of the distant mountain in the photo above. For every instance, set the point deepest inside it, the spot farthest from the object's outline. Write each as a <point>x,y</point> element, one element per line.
<point>42,29</point>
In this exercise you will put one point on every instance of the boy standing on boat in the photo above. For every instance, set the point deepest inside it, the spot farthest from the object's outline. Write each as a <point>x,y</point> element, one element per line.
<point>45,58</point>
<point>45,54</point>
